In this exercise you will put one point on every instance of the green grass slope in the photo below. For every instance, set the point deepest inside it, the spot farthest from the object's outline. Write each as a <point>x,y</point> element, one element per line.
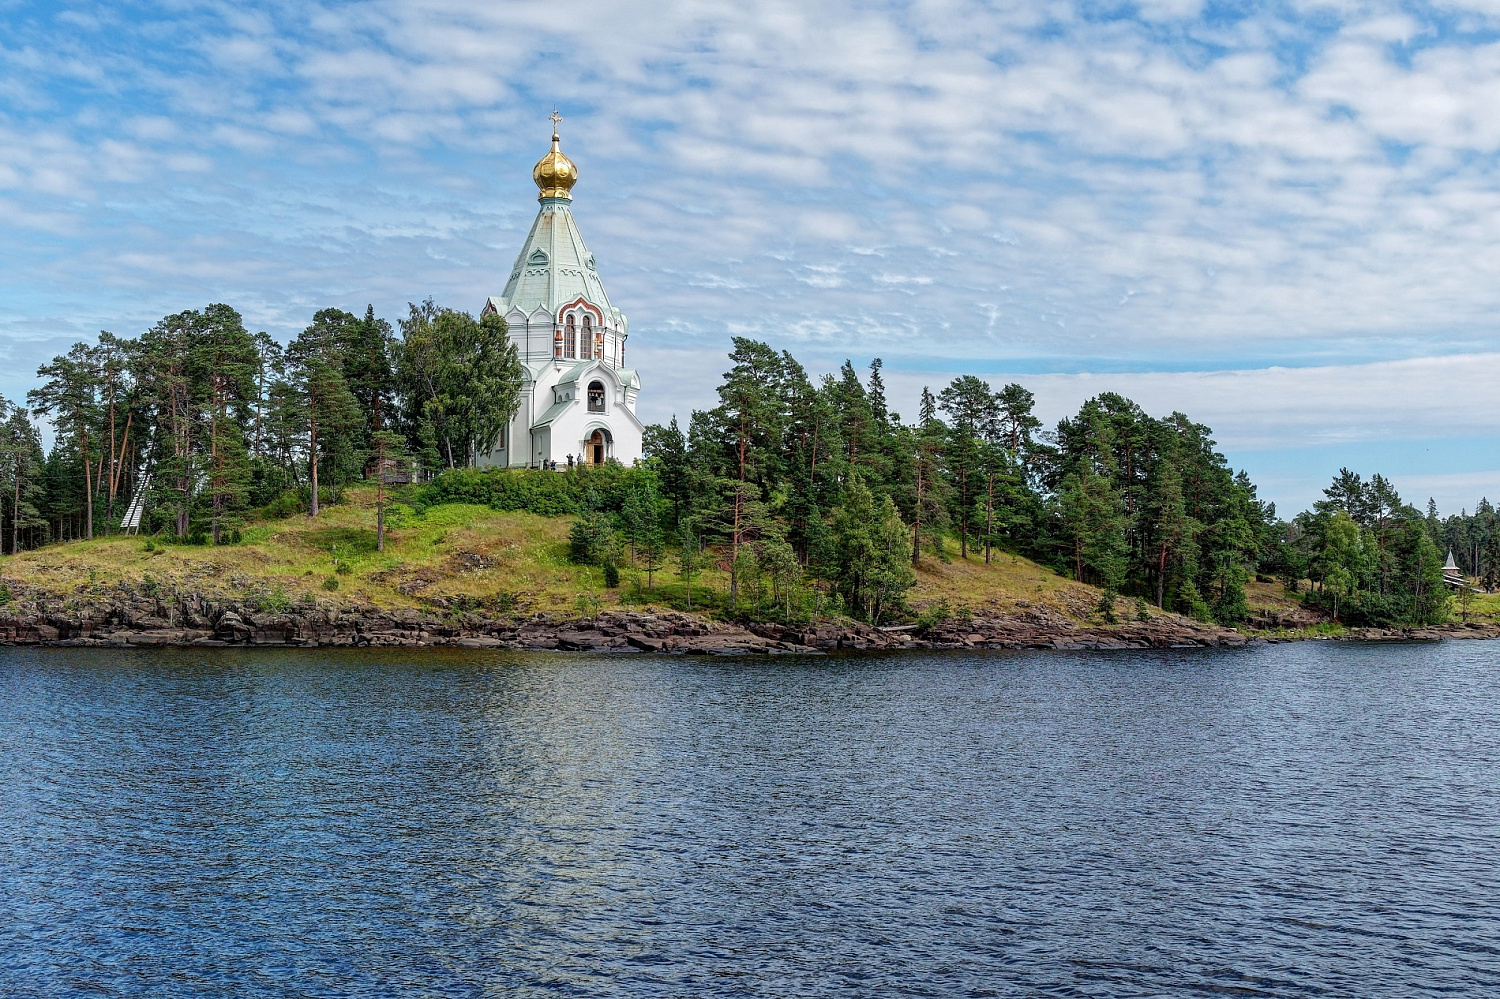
<point>482,557</point>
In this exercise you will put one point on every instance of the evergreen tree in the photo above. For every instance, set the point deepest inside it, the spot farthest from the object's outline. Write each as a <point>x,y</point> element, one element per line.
<point>223,365</point>
<point>747,426</point>
<point>69,395</point>
<point>930,509</point>
<point>328,411</point>
<point>667,450</point>
<point>971,406</point>
<point>873,566</point>
<point>387,448</point>
<point>642,516</point>
<point>21,461</point>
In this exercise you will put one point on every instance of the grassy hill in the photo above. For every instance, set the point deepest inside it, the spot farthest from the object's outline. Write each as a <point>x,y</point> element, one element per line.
<point>471,553</point>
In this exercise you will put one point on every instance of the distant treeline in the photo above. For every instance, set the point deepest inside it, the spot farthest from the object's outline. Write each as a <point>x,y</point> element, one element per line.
<point>1375,559</point>
<point>801,486</point>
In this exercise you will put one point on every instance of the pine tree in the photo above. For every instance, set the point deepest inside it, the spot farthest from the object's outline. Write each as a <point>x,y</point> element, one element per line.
<point>931,507</point>
<point>642,517</point>
<point>873,569</point>
<point>223,366</point>
<point>971,405</point>
<point>748,424</point>
<point>21,465</point>
<point>667,451</point>
<point>329,413</point>
<point>70,396</point>
<point>386,448</point>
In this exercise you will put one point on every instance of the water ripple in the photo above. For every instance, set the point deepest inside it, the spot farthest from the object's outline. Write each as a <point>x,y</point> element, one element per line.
<point>1312,820</point>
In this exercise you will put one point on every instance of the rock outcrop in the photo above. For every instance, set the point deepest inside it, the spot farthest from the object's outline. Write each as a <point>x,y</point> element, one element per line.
<point>125,615</point>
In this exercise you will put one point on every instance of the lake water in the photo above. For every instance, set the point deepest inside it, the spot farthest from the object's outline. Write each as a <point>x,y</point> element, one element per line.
<point>1293,820</point>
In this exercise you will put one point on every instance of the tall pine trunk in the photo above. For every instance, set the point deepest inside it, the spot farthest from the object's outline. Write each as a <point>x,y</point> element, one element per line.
<point>312,457</point>
<point>916,525</point>
<point>963,515</point>
<point>88,491</point>
<point>989,517</point>
<point>734,538</point>
<point>379,502</point>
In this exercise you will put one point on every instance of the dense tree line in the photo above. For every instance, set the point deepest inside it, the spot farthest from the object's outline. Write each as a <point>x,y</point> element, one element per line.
<point>1473,538</point>
<point>808,492</point>
<point>824,476</point>
<point>1370,557</point>
<point>211,421</point>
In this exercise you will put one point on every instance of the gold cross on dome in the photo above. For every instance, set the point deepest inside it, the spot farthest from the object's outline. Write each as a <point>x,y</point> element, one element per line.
<point>554,117</point>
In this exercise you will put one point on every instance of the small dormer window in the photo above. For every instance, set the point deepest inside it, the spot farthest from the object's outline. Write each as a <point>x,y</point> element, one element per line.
<point>538,258</point>
<point>596,397</point>
<point>589,263</point>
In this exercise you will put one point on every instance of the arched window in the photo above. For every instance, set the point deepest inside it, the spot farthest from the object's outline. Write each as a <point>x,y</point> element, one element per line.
<point>588,337</point>
<point>596,397</point>
<point>568,338</point>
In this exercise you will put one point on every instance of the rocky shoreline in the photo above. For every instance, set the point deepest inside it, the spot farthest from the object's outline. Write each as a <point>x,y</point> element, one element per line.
<point>123,616</point>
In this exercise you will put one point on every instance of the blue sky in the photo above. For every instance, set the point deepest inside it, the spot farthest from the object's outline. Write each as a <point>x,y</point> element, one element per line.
<point>1281,219</point>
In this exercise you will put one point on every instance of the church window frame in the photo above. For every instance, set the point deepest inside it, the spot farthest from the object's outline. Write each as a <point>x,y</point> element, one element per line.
<point>596,396</point>
<point>569,337</point>
<point>588,336</point>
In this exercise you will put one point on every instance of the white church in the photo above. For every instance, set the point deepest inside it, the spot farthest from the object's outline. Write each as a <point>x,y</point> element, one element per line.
<point>579,397</point>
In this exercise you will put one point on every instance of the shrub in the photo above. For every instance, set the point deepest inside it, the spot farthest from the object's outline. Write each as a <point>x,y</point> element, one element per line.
<point>331,583</point>
<point>274,601</point>
<point>935,614</point>
<point>294,501</point>
<point>288,503</point>
<point>5,594</point>
<point>532,490</point>
<point>611,575</point>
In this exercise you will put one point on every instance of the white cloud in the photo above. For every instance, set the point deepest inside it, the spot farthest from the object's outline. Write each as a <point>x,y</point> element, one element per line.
<point>1101,193</point>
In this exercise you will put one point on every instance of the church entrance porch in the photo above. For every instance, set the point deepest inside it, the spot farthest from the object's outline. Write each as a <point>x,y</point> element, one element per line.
<point>596,447</point>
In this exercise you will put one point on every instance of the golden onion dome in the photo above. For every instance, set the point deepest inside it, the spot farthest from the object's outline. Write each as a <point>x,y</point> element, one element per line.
<point>554,173</point>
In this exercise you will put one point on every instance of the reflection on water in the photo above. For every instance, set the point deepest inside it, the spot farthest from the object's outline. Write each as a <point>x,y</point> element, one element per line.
<point>1291,820</point>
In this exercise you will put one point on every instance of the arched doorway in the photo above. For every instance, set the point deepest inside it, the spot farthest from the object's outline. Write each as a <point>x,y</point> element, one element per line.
<point>595,447</point>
